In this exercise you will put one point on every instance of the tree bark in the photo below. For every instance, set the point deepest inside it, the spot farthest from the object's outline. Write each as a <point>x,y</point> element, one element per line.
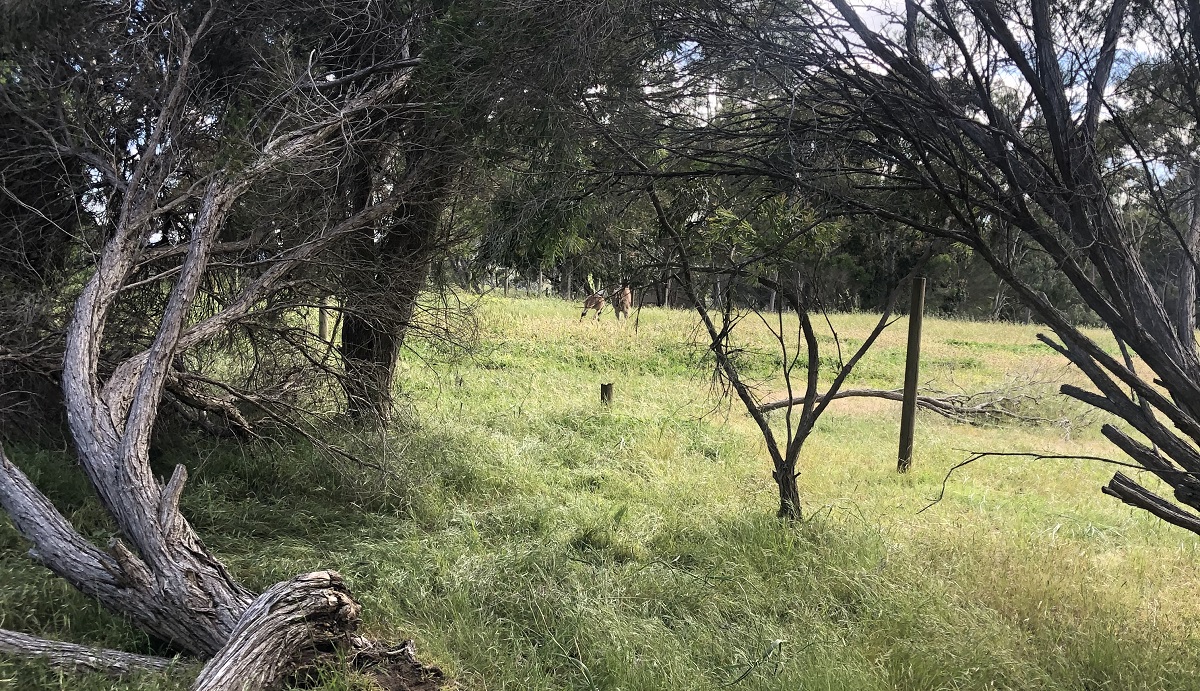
<point>296,621</point>
<point>172,586</point>
<point>382,292</point>
<point>372,336</point>
<point>789,491</point>
<point>71,657</point>
<point>1185,304</point>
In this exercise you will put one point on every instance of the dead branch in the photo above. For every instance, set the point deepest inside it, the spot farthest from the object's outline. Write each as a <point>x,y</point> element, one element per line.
<point>1120,486</point>
<point>72,657</point>
<point>988,407</point>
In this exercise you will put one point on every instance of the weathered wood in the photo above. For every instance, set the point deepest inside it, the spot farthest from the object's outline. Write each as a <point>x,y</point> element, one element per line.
<point>291,622</point>
<point>117,579</point>
<point>181,592</point>
<point>606,393</point>
<point>73,657</point>
<point>1135,495</point>
<point>967,408</point>
<point>56,543</point>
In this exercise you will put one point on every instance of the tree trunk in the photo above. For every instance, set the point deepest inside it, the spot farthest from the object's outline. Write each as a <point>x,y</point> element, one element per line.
<point>789,492</point>
<point>368,354</point>
<point>158,573</point>
<point>371,344</point>
<point>383,292</point>
<point>323,321</point>
<point>368,374</point>
<point>999,300</point>
<point>294,621</point>
<point>172,587</point>
<point>1185,304</point>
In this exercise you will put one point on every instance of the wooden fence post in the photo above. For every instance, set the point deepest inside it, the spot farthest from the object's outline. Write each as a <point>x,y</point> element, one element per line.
<point>606,394</point>
<point>323,321</point>
<point>912,363</point>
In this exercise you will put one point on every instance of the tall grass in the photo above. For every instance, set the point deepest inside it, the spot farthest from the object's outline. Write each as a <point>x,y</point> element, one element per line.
<point>532,539</point>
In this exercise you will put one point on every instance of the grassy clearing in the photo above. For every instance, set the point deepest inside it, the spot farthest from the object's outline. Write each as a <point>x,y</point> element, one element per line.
<point>538,541</point>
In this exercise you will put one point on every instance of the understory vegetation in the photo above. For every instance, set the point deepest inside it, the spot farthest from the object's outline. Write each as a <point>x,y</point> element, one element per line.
<point>529,538</point>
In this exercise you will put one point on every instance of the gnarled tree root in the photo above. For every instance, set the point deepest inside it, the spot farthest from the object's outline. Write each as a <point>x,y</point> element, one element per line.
<point>397,668</point>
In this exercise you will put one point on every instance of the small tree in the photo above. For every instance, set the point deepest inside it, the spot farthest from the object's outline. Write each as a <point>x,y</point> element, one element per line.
<point>740,261</point>
<point>673,142</point>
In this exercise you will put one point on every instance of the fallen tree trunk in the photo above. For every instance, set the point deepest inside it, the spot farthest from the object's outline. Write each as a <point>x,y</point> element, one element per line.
<point>286,628</point>
<point>966,408</point>
<point>73,657</point>
<point>285,634</point>
<point>297,625</point>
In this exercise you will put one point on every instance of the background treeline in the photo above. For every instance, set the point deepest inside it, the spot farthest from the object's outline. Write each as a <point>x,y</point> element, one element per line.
<point>860,266</point>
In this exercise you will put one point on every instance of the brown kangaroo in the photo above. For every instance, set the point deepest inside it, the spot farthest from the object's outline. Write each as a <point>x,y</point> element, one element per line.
<point>623,302</point>
<point>595,301</point>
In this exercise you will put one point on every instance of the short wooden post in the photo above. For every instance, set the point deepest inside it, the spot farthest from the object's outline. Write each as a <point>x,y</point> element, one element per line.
<point>912,363</point>
<point>606,393</point>
<point>323,321</point>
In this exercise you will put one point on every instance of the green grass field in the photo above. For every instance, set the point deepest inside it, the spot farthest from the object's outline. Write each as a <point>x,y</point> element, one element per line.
<point>532,539</point>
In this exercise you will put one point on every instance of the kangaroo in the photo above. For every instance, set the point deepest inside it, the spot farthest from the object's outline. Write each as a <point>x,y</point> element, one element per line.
<point>623,302</point>
<point>595,301</point>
